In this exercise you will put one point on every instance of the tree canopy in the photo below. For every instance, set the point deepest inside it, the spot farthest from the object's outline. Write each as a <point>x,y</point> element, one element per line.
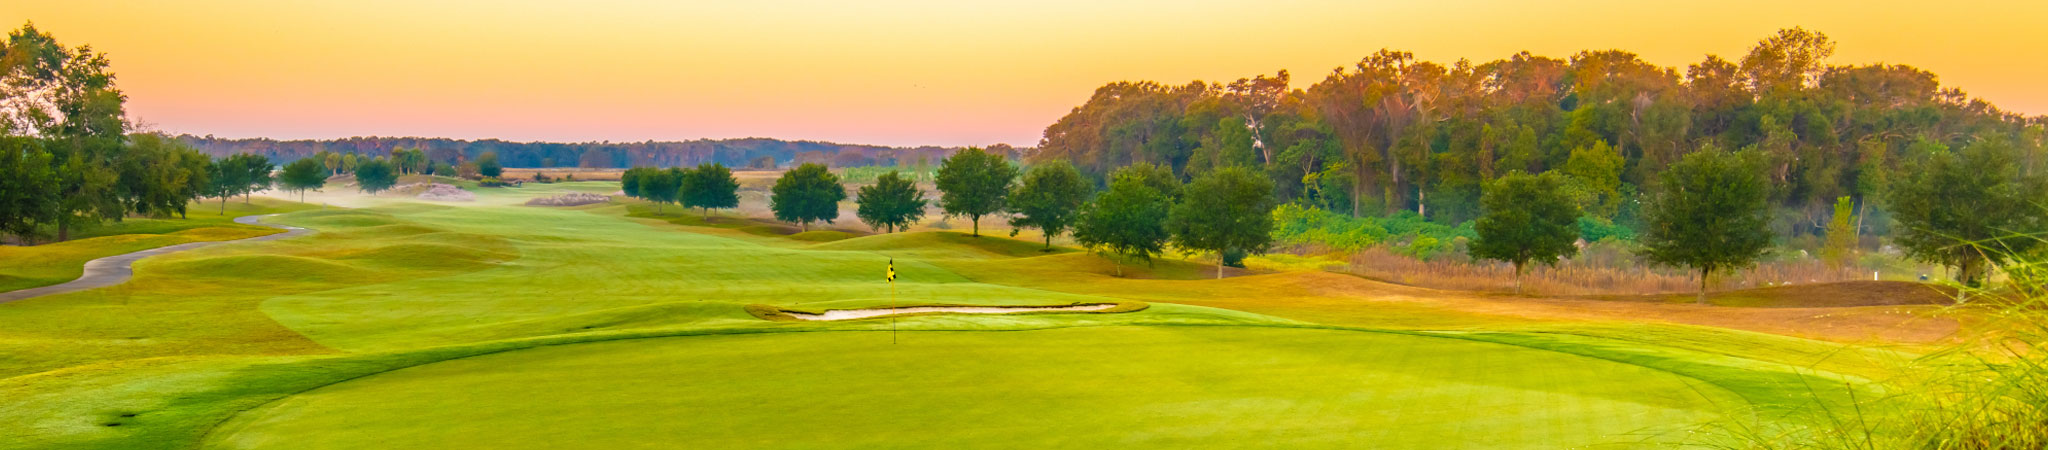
<point>301,176</point>
<point>1048,199</point>
<point>808,193</point>
<point>1711,213</point>
<point>708,186</point>
<point>974,183</point>
<point>1526,218</point>
<point>1971,208</point>
<point>1129,219</point>
<point>892,203</point>
<point>1230,209</point>
<point>376,176</point>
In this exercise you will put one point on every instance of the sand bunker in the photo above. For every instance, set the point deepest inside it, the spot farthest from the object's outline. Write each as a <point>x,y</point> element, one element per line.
<point>447,193</point>
<point>570,199</point>
<point>850,314</point>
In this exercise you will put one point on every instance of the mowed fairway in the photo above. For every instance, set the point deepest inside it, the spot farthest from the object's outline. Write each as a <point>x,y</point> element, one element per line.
<point>1149,387</point>
<point>410,325</point>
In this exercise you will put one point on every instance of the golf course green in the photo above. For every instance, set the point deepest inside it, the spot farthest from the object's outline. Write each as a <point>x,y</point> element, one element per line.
<point>403,324</point>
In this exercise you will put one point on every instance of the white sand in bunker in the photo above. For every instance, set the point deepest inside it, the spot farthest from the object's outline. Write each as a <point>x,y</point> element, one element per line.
<point>850,314</point>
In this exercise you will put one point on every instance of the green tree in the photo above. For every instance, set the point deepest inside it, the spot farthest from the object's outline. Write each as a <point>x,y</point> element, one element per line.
<point>1595,178</point>
<point>28,182</point>
<point>629,181</point>
<point>892,203</point>
<point>1526,218</point>
<point>710,185</point>
<point>258,176</point>
<point>1159,178</point>
<point>229,177</point>
<point>808,193</point>
<point>1710,213</point>
<point>1226,210</point>
<point>1129,219</point>
<point>974,183</point>
<point>1048,199</point>
<point>1841,244</point>
<point>487,165</point>
<point>1970,209</point>
<point>661,186</point>
<point>376,176</point>
<point>303,175</point>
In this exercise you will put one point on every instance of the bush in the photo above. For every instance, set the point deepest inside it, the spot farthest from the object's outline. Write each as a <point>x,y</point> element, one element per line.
<point>1405,233</point>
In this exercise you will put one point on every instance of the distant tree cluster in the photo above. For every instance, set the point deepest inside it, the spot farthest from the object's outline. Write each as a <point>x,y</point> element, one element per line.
<point>707,186</point>
<point>68,158</point>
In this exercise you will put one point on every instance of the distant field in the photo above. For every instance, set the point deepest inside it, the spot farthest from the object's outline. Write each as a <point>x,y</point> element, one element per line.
<point>582,327</point>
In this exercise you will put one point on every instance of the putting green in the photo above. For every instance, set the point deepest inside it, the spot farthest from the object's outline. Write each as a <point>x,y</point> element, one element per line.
<point>1088,387</point>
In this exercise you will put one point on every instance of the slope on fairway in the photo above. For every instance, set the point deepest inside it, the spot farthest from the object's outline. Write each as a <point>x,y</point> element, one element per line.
<point>1096,387</point>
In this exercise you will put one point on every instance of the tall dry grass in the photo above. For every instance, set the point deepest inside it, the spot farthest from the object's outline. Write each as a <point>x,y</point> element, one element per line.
<point>1987,392</point>
<point>1598,270</point>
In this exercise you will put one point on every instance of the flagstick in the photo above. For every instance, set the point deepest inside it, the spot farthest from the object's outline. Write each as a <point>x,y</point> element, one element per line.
<point>892,317</point>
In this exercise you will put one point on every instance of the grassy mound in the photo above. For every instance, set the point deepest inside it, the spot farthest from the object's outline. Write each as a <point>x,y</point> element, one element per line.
<point>423,256</point>
<point>942,244</point>
<point>261,266</point>
<point>822,236</point>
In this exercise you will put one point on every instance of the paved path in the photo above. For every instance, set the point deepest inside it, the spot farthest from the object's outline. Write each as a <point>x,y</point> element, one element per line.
<point>117,269</point>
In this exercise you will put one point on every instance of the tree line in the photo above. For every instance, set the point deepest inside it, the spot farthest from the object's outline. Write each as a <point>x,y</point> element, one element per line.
<point>1708,164</point>
<point>1393,133</point>
<point>1227,212</point>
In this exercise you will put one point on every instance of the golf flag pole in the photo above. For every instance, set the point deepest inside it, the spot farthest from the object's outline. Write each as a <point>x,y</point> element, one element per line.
<point>890,276</point>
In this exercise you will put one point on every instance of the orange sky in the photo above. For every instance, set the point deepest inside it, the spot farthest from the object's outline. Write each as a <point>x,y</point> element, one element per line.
<point>894,72</point>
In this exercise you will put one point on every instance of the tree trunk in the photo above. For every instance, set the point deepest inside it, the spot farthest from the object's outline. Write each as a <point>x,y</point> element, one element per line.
<point>1048,241</point>
<point>63,228</point>
<point>1518,278</point>
<point>1703,285</point>
<point>977,225</point>
<point>224,205</point>
<point>1219,265</point>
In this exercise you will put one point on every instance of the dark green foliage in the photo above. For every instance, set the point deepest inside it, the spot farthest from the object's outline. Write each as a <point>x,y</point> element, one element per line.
<point>974,183</point>
<point>629,181</point>
<point>1129,219</point>
<point>1226,209</point>
<point>661,186</point>
<point>710,185</point>
<point>1710,213</point>
<point>808,193</point>
<point>303,175</point>
<point>487,165</point>
<point>892,203</point>
<point>1048,199</point>
<point>1158,177</point>
<point>1971,208</point>
<point>1526,218</point>
<point>27,182</point>
<point>376,176</point>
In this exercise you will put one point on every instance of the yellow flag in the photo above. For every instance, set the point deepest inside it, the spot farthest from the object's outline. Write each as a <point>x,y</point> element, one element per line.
<point>891,277</point>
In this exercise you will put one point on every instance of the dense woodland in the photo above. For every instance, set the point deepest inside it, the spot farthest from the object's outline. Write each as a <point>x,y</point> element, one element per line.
<point>760,153</point>
<point>1393,133</point>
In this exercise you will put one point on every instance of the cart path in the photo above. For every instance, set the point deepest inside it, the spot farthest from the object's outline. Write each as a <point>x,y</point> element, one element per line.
<point>118,269</point>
